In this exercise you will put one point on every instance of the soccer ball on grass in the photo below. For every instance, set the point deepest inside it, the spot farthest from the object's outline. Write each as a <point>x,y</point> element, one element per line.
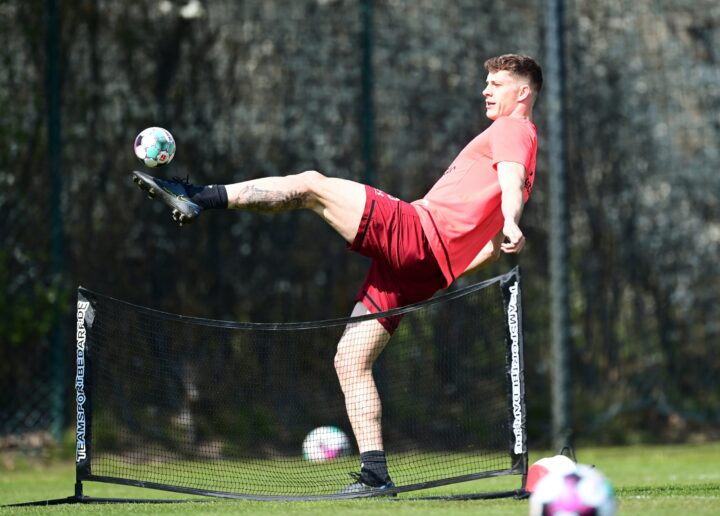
<point>325,443</point>
<point>582,492</point>
<point>545,466</point>
<point>155,146</point>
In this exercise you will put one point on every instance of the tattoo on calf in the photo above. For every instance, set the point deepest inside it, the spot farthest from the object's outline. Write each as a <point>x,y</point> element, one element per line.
<point>253,198</point>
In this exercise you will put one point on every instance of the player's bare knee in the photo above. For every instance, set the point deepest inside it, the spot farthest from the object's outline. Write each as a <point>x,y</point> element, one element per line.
<point>310,183</point>
<point>349,366</point>
<point>311,180</point>
<point>343,365</point>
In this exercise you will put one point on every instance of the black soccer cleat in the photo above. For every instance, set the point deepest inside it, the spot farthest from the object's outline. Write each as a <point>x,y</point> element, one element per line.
<point>173,193</point>
<point>359,487</point>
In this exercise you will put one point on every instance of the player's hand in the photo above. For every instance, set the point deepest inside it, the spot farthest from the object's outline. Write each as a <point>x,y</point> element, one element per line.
<point>514,238</point>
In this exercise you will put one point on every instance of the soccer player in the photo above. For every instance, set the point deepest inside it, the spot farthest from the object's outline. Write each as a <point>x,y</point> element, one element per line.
<point>465,221</point>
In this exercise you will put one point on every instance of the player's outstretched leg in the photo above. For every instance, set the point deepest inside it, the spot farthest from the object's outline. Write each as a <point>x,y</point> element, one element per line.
<point>176,193</point>
<point>339,202</point>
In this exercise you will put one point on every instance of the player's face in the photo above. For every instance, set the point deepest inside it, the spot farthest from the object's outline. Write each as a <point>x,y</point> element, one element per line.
<point>502,94</point>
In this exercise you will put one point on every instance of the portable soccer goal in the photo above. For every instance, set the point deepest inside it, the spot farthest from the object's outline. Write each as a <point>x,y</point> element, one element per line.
<point>222,409</point>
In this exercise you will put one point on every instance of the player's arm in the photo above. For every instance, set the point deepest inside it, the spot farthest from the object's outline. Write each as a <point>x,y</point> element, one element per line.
<point>487,254</point>
<point>511,176</point>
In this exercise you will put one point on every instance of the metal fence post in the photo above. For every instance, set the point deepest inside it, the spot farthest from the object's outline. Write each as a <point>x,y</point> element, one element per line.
<point>367,113</point>
<point>56,228</point>
<point>560,320</point>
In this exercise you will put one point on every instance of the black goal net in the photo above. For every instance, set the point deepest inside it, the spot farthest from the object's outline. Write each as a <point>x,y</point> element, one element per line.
<point>251,410</point>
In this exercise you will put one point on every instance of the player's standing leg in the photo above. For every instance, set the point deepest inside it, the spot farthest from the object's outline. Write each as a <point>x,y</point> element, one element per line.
<point>361,344</point>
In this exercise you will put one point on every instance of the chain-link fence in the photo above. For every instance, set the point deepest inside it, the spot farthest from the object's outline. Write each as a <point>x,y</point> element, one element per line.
<point>31,399</point>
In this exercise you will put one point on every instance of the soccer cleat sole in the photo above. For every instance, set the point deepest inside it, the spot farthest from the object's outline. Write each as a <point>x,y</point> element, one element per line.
<point>148,189</point>
<point>153,191</point>
<point>180,218</point>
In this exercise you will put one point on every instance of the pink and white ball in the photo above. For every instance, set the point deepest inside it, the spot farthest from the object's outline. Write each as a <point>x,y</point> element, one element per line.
<point>545,466</point>
<point>325,443</point>
<point>583,492</point>
<point>155,147</point>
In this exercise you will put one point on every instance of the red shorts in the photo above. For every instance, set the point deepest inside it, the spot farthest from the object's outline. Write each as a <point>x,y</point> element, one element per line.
<point>403,269</point>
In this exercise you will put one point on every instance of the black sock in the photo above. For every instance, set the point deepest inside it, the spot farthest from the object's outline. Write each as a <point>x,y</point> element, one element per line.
<point>373,468</point>
<point>209,197</point>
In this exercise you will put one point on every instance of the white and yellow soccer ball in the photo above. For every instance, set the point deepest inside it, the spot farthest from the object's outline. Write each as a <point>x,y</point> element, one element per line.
<point>325,443</point>
<point>582,492</point>
<point>155,147</point>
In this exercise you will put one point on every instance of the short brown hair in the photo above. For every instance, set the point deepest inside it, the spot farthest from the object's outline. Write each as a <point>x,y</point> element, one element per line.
<point>523,66</point>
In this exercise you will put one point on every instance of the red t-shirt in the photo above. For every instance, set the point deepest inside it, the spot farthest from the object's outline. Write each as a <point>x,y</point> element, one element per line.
<point>461,212</point>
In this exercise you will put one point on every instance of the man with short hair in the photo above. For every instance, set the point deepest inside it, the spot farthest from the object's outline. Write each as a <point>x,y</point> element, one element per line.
<point>416,248</point>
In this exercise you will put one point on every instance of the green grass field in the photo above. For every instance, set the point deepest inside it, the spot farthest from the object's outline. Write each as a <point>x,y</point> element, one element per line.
<point>657,480</point>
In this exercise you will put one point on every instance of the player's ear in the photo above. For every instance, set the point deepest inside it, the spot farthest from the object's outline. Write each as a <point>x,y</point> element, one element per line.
<point>524,92</point>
